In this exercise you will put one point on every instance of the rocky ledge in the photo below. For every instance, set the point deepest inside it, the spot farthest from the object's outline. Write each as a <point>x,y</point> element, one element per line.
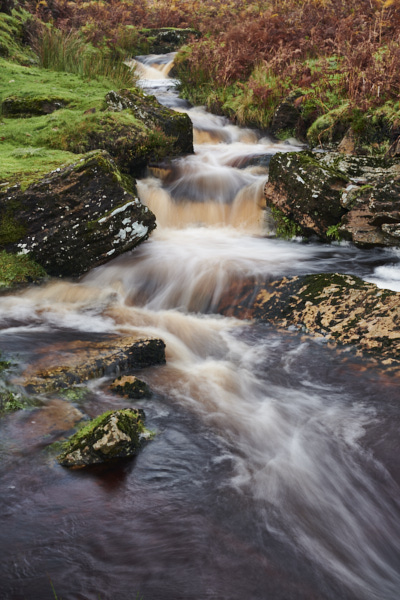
<point>336,196</point>
<point>61,365</point>
<point>114,434</point>
<point>340,308</point>
<point>75,218</point>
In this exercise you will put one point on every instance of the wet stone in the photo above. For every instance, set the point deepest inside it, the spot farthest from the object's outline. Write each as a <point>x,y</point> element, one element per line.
<point>112,435</point>
<point>131,387</point>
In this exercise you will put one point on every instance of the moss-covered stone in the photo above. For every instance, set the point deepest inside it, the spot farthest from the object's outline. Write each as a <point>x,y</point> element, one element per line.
<point>112,435</point>
<point>75,218</point>
<point>29,105</point>
<point>164,39</point>
<point>131,387</point>
<point>305,192</point>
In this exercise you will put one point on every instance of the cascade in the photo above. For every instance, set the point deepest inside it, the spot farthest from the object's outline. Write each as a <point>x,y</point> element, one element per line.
<point>273,472</point>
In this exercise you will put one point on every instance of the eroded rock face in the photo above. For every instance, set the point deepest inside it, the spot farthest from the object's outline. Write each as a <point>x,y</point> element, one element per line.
<point>64,364</point>
<point>115,434</point>
<point>338,196</point>
<point>341,308</point>
<point>75,218</point>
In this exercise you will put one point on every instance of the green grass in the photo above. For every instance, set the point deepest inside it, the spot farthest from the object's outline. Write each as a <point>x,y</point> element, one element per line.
<point>18,269</point>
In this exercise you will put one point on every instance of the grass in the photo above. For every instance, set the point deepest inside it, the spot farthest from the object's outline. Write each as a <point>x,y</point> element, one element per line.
<point>18,269</point>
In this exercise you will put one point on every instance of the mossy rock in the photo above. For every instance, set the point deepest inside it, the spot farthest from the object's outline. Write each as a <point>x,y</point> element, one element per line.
<point>165,39</point>
<point>131,387</point>
<point>305,192</point>
<point>28,106</point>
<point>112,435</point>
<point>74,218</point>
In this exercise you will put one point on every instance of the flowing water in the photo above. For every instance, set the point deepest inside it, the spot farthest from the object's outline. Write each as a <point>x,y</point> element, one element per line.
<point>274,471</point>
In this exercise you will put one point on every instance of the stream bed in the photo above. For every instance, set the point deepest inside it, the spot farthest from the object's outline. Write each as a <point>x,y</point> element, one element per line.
<point>274,470</point>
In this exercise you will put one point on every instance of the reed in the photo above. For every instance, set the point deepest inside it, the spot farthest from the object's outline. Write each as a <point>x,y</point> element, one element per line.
<point>68,51</point>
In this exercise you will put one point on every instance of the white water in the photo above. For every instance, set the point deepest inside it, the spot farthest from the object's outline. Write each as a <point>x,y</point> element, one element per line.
<point>298,452</point>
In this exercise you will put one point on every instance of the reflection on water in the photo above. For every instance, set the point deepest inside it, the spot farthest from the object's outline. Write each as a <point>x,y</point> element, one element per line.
<point>274,470</point>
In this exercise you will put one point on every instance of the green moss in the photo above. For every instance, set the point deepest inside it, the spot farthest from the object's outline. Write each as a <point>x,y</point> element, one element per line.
<point>11,230</point>
<point>286,228</point>
<point>333,232</point>
<point>16,269</point>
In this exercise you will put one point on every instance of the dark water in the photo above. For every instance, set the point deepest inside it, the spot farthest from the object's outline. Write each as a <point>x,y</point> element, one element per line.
<point>274,470</point>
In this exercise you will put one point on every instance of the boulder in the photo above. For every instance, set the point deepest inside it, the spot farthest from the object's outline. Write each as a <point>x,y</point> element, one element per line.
<point>305,191</point>
<point>75,218</point>
<point>337,196</point>
<point>152,114</point>
<point>165,39</point>
<point>340,308</point>
<point>31,105</point>
<point>135,130</point>
<point>62,365</point>
<point>114,434</point>
<point>131,387</point>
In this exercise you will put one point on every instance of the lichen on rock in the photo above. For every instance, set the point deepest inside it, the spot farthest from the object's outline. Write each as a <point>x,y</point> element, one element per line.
<point>112,435</point>
<point>357,197</point>
<point>341,308</point>
<point>75,218</point>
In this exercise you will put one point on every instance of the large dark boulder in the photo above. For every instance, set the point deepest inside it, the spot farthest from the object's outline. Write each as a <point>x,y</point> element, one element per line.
<point>305,191</point>
<point>153,115</point>
<point>114,434</point>
<point>75,218</point>
<point>135,130</point>
<point>337,196</point>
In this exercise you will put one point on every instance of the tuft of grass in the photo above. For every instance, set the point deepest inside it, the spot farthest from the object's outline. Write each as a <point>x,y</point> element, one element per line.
<point>16,269</point>
<point>69,52</point>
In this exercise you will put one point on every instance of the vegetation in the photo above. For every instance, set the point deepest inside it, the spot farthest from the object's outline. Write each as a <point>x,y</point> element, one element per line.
<point>18,269</point>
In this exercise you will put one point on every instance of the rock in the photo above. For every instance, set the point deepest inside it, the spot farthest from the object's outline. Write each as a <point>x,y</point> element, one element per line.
<point>75,218</point>
<point>305,191</point>
<point>135,130</point>
<point>114,434</point>
<point>62,365</point>
<point>337,196</point>
<point>341,308</point>
<point>152,114</point>
<point>31,105</point>
<point>348,143</point>
<point>165,39</point>
<point>131,387</point>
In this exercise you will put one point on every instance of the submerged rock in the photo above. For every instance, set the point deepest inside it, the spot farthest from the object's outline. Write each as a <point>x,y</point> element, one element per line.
<point>337,196</point>
<point>61,365</point>
<point>131,387</point>
<point>75,218</point>
<point>340,308</point>
<point>114,434</point>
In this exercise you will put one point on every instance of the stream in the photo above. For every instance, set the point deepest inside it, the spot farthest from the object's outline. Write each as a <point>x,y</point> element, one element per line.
<point>274,471</point>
